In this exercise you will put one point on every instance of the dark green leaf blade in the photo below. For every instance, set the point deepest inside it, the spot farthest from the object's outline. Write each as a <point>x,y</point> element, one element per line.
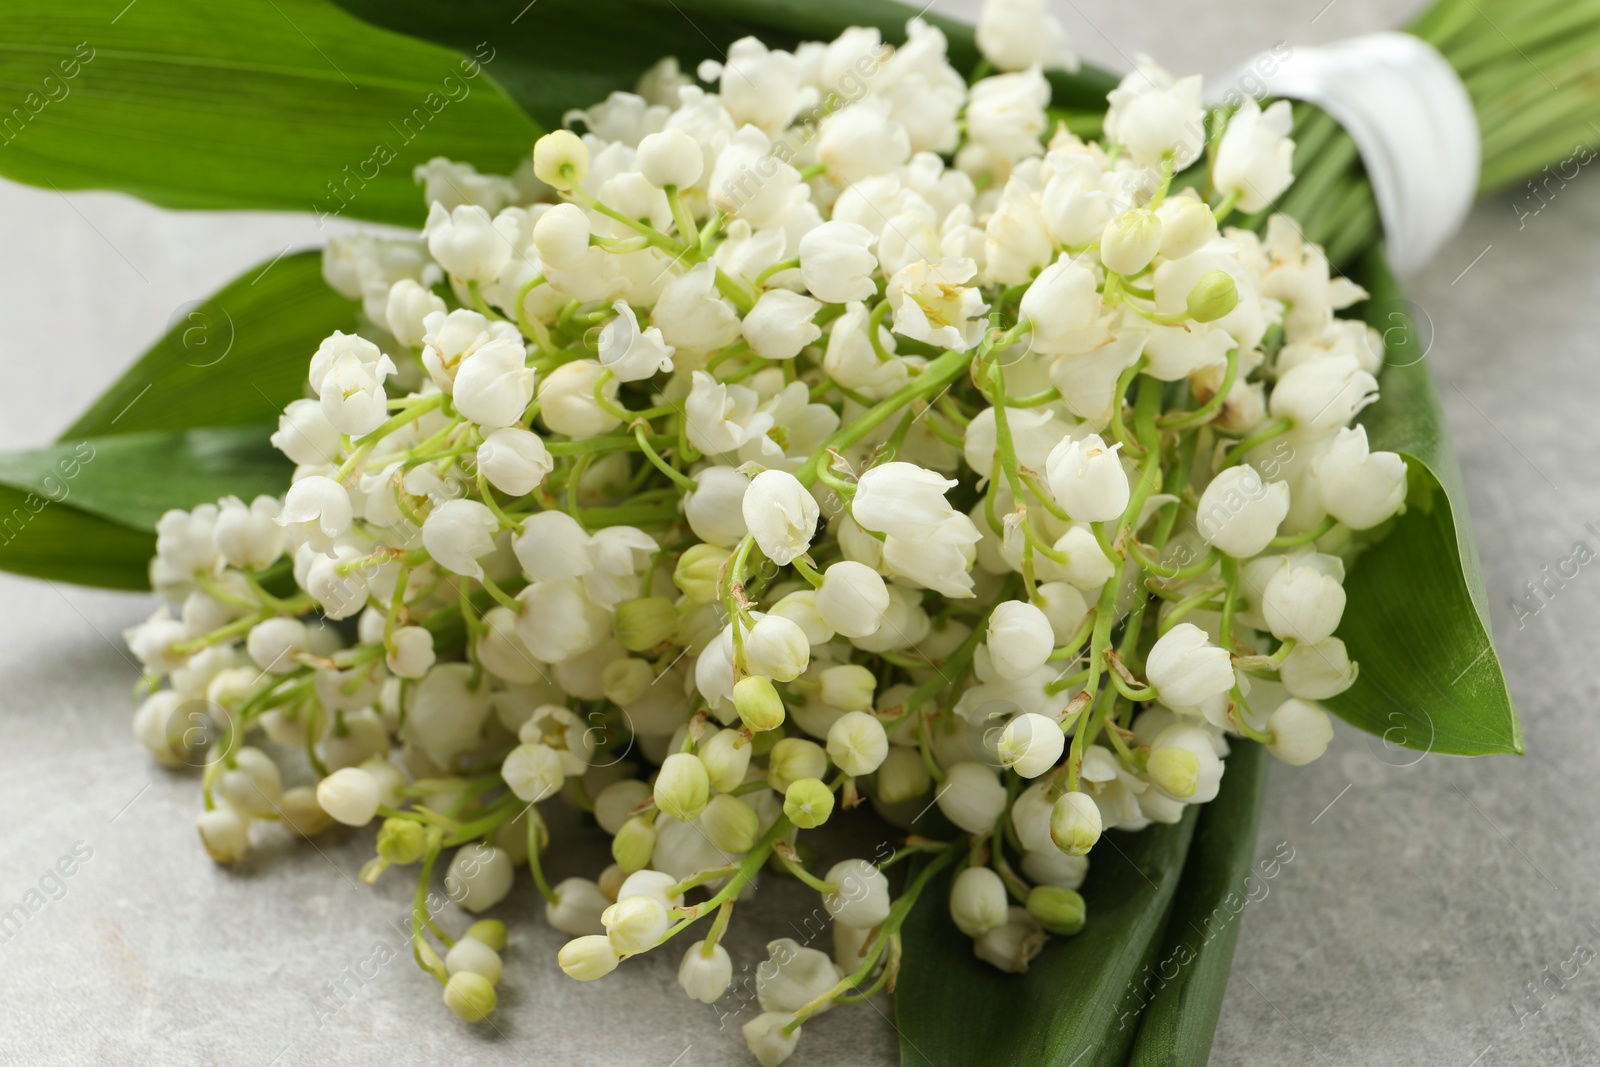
<point>290,105</point>
<point>44,539</point>
<point>562,54</point>
<point>1080,1001</point>
<point>1181,1018</point>
<point>238,357</point>
<point>1417,620</point>
<point>134,478</point>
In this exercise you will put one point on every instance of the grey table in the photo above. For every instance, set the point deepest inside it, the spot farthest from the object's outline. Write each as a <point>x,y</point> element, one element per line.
<point>1426,898</point>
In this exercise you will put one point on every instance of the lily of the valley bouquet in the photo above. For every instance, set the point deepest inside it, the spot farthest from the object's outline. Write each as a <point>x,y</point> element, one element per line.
<point>833,430</point>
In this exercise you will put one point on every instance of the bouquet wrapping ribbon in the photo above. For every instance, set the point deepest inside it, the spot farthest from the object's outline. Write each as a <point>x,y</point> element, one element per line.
<point>1408,113</point>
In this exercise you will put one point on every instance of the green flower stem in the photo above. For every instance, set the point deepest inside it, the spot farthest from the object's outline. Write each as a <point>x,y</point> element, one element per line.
<point>1271,431</point>
<point>1199,600</point>
<point>1188,420</point>
<point>536,840</point>
<point>419,911</point>
<point>481,305</point>
<point>1321,529</point>
<point>680,479</point>
<point>934,377</point>
<point>746,869</point>
<point>408,414</point>
<point>886,933</point>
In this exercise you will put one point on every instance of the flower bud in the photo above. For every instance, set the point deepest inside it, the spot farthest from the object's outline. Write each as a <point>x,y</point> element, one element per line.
<point>1131,241</point>
<point>635,924</point>
<point>633,844</point>
<point>457,532</point>
<point>1359,487</point>
<point>1300,732</point>
<point>626,681</point>
<point>1303,599</point>
<point>848,686</point>
<point>808,803</point>
<point>533,772</point>
<point>670,157</point>
<point>567,401</point>
<point>577,907</point>
<point>731,824</point>
<point>1051,866</point>
<point>978,901</point>
<point>224,833</point>
<point>1186,668</point>
<point>646,622</point>
<point>587,958</point>
<point>792,759</point>
<point>560,159</point>
<point>491,932</point>
<point>1175,771</point>
<point>1013,945</point>
<point>769,1040</point>
<point>705,975</point>
<point>698,571</point>
<point>861,894</point>
<point>1075,823</point>
<point>800,608</point>
<point>780,513</point>
<point>715,508</point>
<point>252,784</point>
<point>1187,224</point>
<point>1319,671</point>
<point>1087,479</point>
<point>903,776</point>
<point>470,995</point>
<point>857,743</point>
<point>402,841</point>
<point>350,795</point>
<point>1060,911</point>
<point>777,648</point>
<point>514,460</point>
<point>301,813</point>
<point>853,599</point>
<point>758,703</point>
<point>1031,744</point>
<point>1020,639</point>
<point>972,797</point>
<point>248,536</point>
<point>1184,757</point>
<point>1239,512</point>
<point>1212,297</point>
<point>726,756</point>
<point>682,787</point>
<point>471,956</point>
<point>479,877</point>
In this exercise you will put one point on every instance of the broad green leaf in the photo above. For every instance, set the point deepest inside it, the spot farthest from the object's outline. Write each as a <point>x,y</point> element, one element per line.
<point>1079,1003</point>
<point>1417,620</point>
<point>287,104</point>
<point>133,478</point>
<point>45,539</point>
<point>237,357</point>
<point>1218,880</point>
<point>560,54</point>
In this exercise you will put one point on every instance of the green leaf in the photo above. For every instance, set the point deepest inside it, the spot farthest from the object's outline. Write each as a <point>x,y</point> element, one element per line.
<point>238,357</point>
<point>1079,1003</point>
<point>44,539</point>
<point>560,54</point>
<point>134,478</point>
<point>1180,1019</point>
<point>1417,619</point>
<point>288,104</point>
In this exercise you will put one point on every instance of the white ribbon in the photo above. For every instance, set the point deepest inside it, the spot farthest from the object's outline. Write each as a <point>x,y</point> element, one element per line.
<point>1411,118</point>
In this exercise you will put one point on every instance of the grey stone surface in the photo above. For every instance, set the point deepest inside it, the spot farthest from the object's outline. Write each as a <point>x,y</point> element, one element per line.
<point>1423,895</point>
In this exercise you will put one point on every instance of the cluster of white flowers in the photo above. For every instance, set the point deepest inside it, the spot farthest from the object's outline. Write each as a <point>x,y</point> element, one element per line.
<point>845,433</point>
